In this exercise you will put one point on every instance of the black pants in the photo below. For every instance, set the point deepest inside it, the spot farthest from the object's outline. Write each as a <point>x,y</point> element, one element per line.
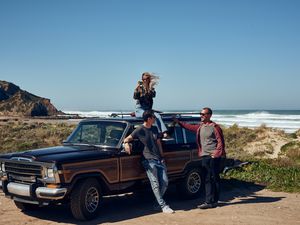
<point>211,167</point>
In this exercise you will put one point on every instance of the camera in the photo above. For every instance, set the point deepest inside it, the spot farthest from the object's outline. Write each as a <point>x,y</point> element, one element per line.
<point>140,84</point>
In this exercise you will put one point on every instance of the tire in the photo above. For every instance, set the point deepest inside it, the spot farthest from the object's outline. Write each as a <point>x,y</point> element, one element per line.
<point>191,186</point>
<point>25,207</point>
<point>85,199</point>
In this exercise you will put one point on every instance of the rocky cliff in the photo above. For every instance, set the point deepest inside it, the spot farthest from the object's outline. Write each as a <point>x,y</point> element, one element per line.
<point>17,102</point>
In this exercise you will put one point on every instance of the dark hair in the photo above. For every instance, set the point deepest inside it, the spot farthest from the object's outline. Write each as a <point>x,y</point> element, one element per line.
<point>208,110</point>
<point>147,114</point>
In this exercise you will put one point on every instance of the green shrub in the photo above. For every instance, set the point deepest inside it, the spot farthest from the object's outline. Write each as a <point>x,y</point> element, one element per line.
<point>292,135</point>
<point>291,146</point>
<point>291,150</point>
<point>269,173</point>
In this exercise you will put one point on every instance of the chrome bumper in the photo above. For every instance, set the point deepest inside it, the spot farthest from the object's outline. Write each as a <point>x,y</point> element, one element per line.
<point>50,193</point>
<point>41,192</point>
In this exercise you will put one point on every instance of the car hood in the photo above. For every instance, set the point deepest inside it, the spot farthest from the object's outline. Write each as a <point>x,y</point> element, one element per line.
<point>64,154</point>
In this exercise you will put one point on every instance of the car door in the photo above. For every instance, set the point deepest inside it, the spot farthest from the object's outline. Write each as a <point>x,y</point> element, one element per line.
<point>178,152</point>
<point>130,165</point>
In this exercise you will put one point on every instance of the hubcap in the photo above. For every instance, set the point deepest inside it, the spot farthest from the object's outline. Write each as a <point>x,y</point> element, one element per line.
<point>194,182</point>
<point>92,199</point>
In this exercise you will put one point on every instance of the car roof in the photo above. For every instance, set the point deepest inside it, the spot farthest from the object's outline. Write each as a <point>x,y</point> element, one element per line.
<point>132,119</point>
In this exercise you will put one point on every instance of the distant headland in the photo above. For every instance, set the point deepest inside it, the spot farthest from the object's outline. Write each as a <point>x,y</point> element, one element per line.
<point>17,102</point>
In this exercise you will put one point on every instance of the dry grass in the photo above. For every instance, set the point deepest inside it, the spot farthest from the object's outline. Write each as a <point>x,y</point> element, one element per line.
<point>19,136</point>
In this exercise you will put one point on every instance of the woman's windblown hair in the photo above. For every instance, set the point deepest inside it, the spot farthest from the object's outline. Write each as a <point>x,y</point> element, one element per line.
<point>154,79</point>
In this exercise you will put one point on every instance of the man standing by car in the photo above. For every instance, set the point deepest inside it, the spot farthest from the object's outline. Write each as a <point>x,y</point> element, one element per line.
<point>153,160</point>
<point>211,147</point>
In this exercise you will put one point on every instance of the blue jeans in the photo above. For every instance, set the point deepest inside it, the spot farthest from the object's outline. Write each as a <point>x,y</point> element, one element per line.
<point>157,174</point>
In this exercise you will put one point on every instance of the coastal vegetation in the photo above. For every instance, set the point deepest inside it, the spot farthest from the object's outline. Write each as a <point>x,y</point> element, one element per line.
<point>20,135</point>
<point>273,156</point>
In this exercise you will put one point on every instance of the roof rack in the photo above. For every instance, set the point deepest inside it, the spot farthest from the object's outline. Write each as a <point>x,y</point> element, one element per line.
<point>122,115</point>
<point>178,113</point>
<point>163,114</point>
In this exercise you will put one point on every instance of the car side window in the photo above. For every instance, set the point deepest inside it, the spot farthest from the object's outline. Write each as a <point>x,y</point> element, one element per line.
<point>175,133</point>
<point>113,134</point>
<point>190,136</point>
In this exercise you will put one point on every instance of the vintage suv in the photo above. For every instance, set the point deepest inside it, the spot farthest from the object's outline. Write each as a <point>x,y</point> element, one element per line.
<point>92,163</point>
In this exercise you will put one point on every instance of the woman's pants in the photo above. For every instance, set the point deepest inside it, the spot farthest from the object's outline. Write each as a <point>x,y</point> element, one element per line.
<point>158,122</point>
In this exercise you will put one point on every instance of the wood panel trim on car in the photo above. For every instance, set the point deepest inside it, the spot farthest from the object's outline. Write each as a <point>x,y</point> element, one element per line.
<point>131,168</point>
<point>177,161</point>
<point>109,168</point>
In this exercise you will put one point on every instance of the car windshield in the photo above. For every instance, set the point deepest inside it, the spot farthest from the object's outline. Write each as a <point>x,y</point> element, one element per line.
<point>108,133</point>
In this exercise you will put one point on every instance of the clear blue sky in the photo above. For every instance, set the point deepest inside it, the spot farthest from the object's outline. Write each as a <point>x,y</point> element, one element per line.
<point>89,54</point>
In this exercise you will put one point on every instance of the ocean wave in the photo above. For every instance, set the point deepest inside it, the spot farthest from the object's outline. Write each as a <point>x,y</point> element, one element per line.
<point>287,121</point>
<point>90,114</point>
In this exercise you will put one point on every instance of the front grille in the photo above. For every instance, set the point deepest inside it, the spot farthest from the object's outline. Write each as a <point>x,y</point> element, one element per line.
<point>23,172</point>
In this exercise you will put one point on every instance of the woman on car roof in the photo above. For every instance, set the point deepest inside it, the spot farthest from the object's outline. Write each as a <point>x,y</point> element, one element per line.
<point>144,94</point>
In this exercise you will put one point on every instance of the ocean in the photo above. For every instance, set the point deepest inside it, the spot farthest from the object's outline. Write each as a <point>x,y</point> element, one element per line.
<point>287,120</point>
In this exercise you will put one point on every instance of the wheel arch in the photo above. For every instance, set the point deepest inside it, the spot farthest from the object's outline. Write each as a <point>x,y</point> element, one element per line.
<point>98,176</point>
<point>193,165</point>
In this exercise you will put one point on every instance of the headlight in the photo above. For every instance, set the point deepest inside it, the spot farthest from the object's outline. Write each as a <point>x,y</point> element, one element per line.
<point>2,167</point>
<point>50,173</point>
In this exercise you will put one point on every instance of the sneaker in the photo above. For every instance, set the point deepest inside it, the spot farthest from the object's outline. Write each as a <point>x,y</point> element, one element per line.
<point>207,205</point>
<point>167,209</point>
<point>167,137</point>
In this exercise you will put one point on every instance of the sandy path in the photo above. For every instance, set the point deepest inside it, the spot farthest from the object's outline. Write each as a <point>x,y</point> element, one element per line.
<point>242,203</point>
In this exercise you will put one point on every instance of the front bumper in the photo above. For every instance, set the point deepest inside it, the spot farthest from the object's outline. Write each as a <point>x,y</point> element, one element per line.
<point>40,192</point>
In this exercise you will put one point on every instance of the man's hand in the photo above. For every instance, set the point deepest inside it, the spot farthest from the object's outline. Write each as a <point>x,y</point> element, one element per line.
<point>127,144</point>
<point>127,148</point>
<point>175,120</point>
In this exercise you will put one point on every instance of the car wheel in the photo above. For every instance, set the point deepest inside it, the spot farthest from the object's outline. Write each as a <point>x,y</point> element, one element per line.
<point>190,187</point>
<point>26,206</point>
<point>85,199</point>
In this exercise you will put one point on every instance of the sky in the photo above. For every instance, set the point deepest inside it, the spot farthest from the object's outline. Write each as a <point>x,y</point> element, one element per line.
<point>89,54</point>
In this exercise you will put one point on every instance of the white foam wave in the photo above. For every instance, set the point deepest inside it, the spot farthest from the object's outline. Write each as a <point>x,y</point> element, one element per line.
<point>288,123</point>
<point>92,113</point>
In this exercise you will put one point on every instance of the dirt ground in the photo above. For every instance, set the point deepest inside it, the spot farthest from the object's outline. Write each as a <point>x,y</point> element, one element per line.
<point>241,203</point>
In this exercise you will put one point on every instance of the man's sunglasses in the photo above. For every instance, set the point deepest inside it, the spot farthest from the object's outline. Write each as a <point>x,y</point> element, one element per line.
<point>204,114</point>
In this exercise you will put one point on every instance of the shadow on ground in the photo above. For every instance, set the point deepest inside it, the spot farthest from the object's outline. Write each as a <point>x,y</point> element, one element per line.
<point>130,206</point>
